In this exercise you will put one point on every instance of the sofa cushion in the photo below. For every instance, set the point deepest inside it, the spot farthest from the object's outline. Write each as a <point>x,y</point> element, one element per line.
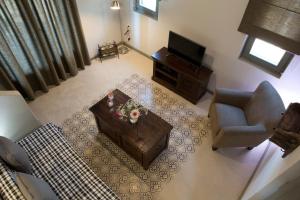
<point>8,187</point>
<point>34,188</point>
<point>14,155</point>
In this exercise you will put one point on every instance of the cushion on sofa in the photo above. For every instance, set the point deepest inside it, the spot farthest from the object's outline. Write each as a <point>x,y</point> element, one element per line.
<point>54,159</point>
<point>8,188</point>
<point>14,155</point>
<point>34,188</point>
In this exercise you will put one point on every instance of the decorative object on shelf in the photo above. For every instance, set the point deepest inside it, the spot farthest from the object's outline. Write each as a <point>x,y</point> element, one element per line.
<point>127,33</point>
<point>107,50</point>
<point>131,111</point>
<point>115,5</point>
<point>287,134</point>
<point>123,49</point>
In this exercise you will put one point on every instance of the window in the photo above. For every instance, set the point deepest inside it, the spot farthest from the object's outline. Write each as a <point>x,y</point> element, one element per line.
<point>147,7</point>
<point>266,56</point>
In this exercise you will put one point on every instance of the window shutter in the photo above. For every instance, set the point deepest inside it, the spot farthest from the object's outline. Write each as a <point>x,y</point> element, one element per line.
<point>275,21</point>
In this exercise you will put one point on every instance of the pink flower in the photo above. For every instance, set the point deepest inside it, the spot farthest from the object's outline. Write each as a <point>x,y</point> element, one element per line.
<point>134,114</point>
<point>110,95</point>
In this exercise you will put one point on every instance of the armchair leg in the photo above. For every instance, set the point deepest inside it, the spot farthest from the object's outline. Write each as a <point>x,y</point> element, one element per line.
<point>214,148</point>
<point>250,148</point>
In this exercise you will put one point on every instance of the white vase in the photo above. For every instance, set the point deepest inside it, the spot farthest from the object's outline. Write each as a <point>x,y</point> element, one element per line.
<point>110,103</point>
<point>133,120</point>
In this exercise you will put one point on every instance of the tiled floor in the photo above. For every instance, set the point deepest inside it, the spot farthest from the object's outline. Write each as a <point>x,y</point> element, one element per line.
<point>206,175</point>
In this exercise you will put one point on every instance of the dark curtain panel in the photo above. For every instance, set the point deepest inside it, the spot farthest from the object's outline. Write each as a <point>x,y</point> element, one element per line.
<point>41,43</point>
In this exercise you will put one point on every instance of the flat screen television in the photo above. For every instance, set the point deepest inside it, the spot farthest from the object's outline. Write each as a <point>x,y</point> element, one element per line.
<point>186,48</point>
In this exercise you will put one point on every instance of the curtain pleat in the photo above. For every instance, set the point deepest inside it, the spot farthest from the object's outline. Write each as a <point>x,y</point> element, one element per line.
<point>42,17</point>
<point>79,31</point>
<point>5,82</point>
<point>16,72</point>
<point>75,37</point>
<point>24,47</point>
<point>42,42</point>
<point>57,26</point>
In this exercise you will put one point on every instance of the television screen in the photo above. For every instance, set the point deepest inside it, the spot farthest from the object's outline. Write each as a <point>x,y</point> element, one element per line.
<point>186,48</point>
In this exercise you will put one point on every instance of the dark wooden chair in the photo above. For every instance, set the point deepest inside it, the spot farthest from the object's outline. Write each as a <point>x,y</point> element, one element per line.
<point>287,135</point>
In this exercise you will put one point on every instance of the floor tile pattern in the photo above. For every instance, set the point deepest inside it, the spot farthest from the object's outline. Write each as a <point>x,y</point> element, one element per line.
<point>122,173</point>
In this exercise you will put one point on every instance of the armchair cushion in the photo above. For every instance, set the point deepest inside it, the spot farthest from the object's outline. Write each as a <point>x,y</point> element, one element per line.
<point>227,115</point>
<point>240,136</point>
<point>230,115</point>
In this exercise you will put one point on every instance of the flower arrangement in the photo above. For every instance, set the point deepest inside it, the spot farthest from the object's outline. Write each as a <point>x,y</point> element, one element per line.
<point>134,115</point>
<point>131,111</point>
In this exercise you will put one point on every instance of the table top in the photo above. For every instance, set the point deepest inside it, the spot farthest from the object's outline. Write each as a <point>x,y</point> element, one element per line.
<point>145,134</point>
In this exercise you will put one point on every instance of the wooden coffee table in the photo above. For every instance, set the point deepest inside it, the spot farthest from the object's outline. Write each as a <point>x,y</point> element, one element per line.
<point>143,141</point>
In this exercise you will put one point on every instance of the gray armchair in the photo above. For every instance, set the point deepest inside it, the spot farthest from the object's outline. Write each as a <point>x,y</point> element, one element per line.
<point>244,119</point>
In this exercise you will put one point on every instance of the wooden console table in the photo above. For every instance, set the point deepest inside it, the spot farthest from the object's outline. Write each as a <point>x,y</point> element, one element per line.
<point>179,75</point>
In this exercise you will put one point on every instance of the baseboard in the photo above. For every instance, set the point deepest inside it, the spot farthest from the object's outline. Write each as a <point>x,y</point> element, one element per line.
<point>94,57</point>
<point>255,170</point>
<point>137,50</point>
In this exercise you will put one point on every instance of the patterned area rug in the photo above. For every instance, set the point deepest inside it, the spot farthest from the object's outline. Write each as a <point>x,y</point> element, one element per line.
<point>118,170</point>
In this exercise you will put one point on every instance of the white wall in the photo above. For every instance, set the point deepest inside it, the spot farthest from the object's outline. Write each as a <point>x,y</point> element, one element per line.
<point>100,23</point>
<point>214,24</point>
<point>16,118</point>
<point>273,173</point>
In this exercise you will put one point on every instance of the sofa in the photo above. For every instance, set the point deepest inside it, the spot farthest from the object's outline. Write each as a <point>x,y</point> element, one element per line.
<point>52,158</point>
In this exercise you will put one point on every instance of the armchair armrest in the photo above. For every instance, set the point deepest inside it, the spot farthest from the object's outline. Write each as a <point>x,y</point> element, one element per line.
<point>241,136</point>
<point>249,131</point>
<point>232,97</point>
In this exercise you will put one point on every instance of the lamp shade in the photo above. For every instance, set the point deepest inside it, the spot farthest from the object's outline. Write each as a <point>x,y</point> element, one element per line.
<point>115,5</point>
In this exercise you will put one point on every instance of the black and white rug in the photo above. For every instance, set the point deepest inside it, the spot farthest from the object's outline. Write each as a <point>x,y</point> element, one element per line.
<point>118,170</point>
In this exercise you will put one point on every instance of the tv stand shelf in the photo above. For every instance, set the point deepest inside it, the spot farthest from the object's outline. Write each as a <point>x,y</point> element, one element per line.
<point>180,75</point>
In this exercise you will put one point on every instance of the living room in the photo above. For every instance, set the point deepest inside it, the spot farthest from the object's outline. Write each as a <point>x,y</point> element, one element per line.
<point>190,166</point>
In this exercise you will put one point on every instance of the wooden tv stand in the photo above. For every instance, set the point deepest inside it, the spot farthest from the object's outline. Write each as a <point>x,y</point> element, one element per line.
<point>180,75</point>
